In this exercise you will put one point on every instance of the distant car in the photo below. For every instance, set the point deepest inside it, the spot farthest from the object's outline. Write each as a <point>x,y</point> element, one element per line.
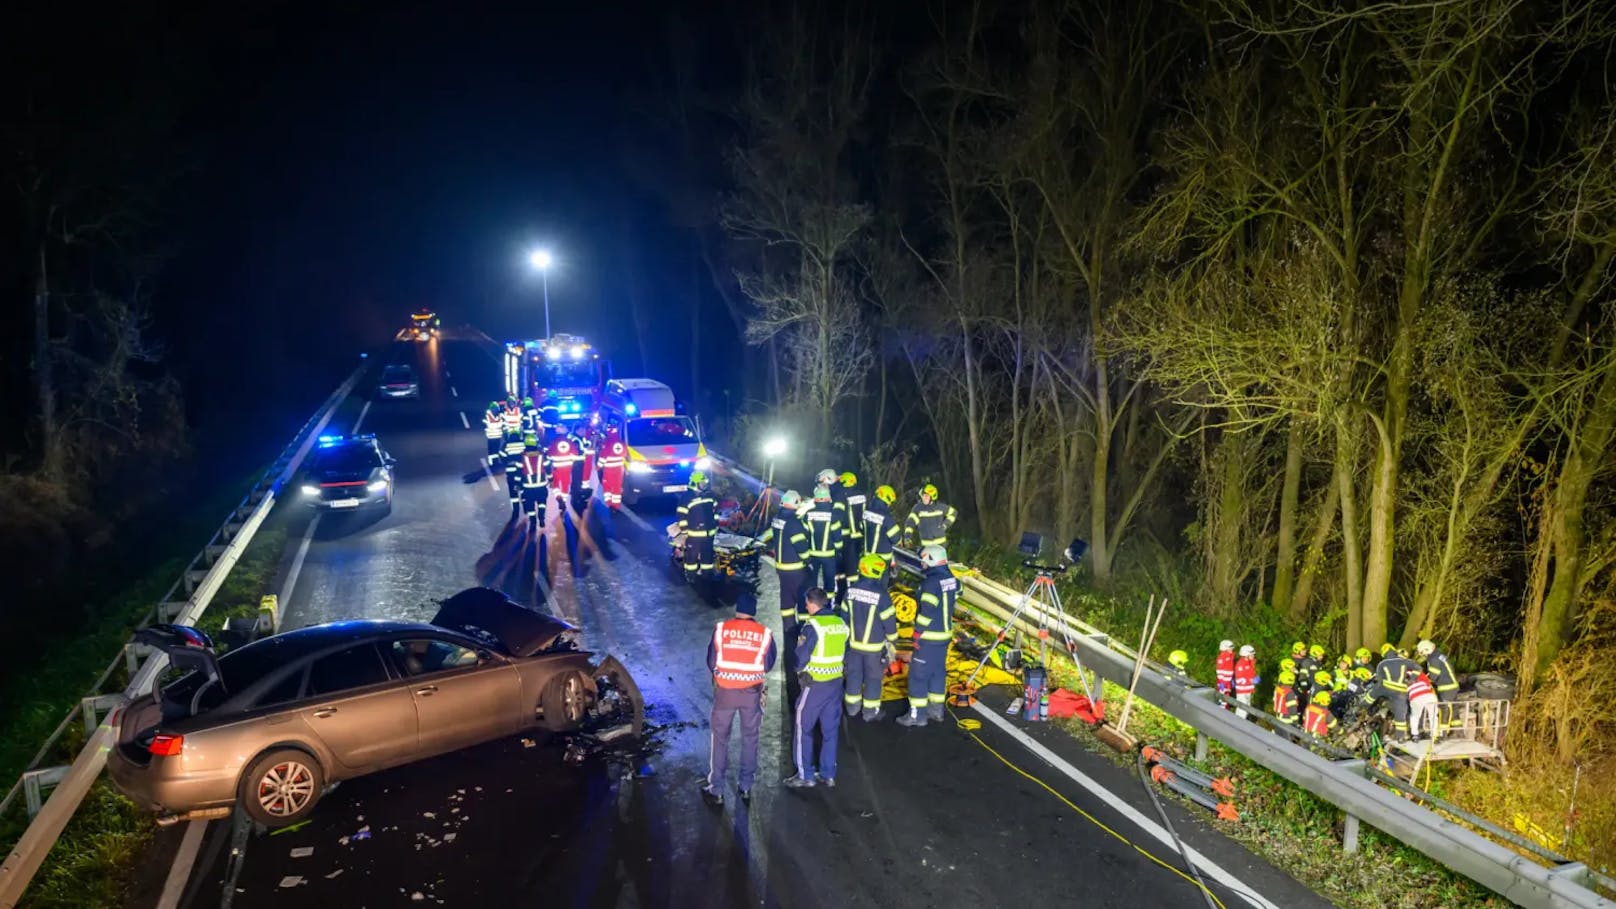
<point>424,324</point>
<point>270,725</point>
<point>348,472</point>
<point>398,381</point>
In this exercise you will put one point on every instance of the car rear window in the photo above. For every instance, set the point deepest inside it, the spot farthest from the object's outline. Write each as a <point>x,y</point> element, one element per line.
<point>355,667</point>
<point>396,374</point>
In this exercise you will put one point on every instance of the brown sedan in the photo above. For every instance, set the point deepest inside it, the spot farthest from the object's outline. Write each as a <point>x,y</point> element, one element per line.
<point>271,724</point>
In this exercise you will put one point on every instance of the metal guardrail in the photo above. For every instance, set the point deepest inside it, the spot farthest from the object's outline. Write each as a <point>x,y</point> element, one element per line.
<point>200,580</point>
<point>1349,784</point>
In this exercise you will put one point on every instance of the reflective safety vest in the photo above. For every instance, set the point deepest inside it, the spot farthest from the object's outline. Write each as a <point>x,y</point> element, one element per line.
<point>611,457</point>
<point>1245,675</point>
<point>881,530</point>
<point>1319,720</point>
<point>871,615</point>
<point>493,425</point>
<point>1420,687</point>
<point>824,530</point>
<point>790,540</point>
<point>1284,704</point>
<point>830,647</point>
<point>513,450</point>
<point>512,416</point>
<point>1225,670</point>
<point>740,646</point>
<point>855,514</point>
<point>934,613</point>
<point>930,523</point>
<point>532,469</point>
<point>696,515</point>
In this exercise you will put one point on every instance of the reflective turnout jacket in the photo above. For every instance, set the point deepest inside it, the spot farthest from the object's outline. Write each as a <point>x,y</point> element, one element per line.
<point>871,615</point>
<point>881,529</point>
<point>930,523</point>
<point>790,541</point>
<point>696,516</point>
<point>853,514</point>
<point>934,613</point>
<point>1442,675</point>
<point>825,530</point>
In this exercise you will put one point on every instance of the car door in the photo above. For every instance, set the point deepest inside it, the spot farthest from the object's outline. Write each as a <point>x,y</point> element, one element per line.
<point>363,714</point>
<point>462,696</point>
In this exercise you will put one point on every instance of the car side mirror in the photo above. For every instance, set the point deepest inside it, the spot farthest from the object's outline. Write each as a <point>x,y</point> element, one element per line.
<point>484,656</point>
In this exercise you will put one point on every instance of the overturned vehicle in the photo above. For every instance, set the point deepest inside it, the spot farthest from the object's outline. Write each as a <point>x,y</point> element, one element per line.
<point>270,725</point>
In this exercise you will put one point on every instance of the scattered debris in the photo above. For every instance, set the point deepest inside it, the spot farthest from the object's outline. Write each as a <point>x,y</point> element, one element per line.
<point>291,880</point>
<point>417,895</point>
<point>528,743</point>
<point>363,833</point>
<point>449,837</point>
<point>303,852</point>
<point>428,814</point>
<point>335,873</point>
<point>288,829</point>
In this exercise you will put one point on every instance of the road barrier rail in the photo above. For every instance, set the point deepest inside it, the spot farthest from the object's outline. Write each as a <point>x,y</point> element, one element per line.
<point>185,602</point>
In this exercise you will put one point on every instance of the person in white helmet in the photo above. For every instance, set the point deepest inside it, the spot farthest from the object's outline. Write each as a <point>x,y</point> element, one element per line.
<point>1245,677</point>
<point>1443,678</point>
<point>1225,668</point>
<point>934,629</point>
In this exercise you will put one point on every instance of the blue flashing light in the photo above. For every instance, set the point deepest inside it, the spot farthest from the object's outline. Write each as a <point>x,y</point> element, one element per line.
<point>630,409</point>
<point>328,441</point>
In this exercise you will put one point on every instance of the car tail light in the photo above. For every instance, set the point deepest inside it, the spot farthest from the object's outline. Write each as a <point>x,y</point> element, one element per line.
<point>164,745</point>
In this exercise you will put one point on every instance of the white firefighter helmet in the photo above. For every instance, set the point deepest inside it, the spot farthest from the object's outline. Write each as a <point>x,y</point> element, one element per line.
<point>1226,645</point>
<point>1247,650</point>
<point>1424,649</point>
<point>933,555</point>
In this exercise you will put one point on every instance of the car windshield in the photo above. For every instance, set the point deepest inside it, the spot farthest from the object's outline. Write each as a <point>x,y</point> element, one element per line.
<point>565,374</point>
<point>661,431</point>
<point>346,459</point>
<point>397,374</point>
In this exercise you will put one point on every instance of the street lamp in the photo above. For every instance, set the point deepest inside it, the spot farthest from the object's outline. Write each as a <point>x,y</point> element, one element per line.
<point>773,447</point>
<point>541,260</point>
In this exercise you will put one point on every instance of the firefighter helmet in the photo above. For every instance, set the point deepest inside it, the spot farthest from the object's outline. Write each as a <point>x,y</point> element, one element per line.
<point>1322,698</point>
<point>1386,648</point>
<point>493,406</point>
<point>848,479</point>
<point>1424,649</point>
<point>698,479</point>
<point>929,491</point>
<point>933,555</point>
<point>527,403</point>
<point>1362,655</point>
<point>886,494</point>
<point>1316,652</point>
<point>1286,677</point>
<point>1299,649</point>
<point>821,493</point>
<point>1323,679</point>
<point>1247,650</point>
<point>1178,659</point>
<point>790,499</point>
<point>871,565</point>
<point>531,438</point>
<point>1226,645</point>
<point>1363,673</point>
<point>826,477</point>
<point>1288,664</point>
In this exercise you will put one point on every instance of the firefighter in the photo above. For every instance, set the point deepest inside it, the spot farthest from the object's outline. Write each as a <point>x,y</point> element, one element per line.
<point>560,455</point>
<point>821,649</point>
<point>530,416</point>
<point>511,415</point>
<point>1443,679</point>
<point>874,624</point>
<point>1343,673</point>
<point>1319,720</point>
<point>514,446</point>
<point>1225,668</point>
<point>790,540</point>
<point>740,655</point>
<point>1245,677</point>
<point>829,480</point>
<point>853,503</point>
<point>1391,679</point>
<point>1285,702</point>
<point>1423,716</point>
<point>494,432</point>
<point>1363,659</point>
<point>881,529</point>
<point>825,539</point>
<point>533,498</point>
<point>698,523</point>
<point>612,464</point>
<point>1178,662</point>
<point>934,628</point>
<point>929,521</point>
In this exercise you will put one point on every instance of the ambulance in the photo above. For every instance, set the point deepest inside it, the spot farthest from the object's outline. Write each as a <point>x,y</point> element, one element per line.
<point>664,445</point>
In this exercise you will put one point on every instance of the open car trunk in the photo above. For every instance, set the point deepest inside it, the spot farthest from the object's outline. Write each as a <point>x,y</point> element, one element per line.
<point>485,613</point>
<point>190,685</point>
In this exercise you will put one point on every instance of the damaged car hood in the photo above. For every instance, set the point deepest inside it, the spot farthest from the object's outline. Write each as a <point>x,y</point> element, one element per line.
<point>485,612</point>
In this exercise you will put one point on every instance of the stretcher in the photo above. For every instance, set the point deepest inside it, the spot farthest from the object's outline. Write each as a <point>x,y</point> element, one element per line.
<point>734,555</point>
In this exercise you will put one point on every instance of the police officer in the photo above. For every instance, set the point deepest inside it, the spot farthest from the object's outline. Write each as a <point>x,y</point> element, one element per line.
<point>1391,679</point>
<point>533,496</point>
<point>874,624</point>
<point>821,649</point>
<point>930,520</point>
<point>698,523</point>
<point>881,530</point>
<point>825,539</point>
<point>1443,678</point>
<point>514,446</point>
<point>739,656</point>
<point>790,540</point>
<point>494,432</point>
<point>934,628</point>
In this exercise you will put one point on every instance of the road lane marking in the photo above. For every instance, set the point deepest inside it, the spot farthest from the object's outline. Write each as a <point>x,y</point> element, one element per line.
<point>463,421</point>
<point>453,391</point>
<point>1213,869</point>
<point>489,470</point>
<point>638,521</point>
<point>284,598</point>
<point>360,422</point>
<point>179,874</point>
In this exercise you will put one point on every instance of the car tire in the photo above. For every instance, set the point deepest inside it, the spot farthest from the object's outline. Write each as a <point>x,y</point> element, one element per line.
<point>565,701</point>
<point>282,787</point>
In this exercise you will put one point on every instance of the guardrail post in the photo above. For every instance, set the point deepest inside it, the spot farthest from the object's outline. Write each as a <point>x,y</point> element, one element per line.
<point>131,662</point>
<point>1349,835</point>
<point>33,787</point>
<point>1200,746</point>
<point>92,705</point>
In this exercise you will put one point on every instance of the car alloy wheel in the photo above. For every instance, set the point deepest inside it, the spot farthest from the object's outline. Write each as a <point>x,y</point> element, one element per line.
<point>285,789</point>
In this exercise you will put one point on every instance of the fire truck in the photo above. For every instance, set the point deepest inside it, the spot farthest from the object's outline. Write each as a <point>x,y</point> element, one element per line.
<point>565,366</point>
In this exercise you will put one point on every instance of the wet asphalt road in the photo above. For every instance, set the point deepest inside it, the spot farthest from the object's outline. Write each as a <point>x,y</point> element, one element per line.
<point>919,817</point>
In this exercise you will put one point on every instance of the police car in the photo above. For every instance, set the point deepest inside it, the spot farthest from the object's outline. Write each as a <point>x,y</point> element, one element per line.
<point>345,473</point>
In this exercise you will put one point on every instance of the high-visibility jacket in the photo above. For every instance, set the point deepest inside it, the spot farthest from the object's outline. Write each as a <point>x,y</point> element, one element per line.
<point>696,516</point>
<point>532,469</point>
<point>1284,704</point>
<point>1392,675</point>
<point>513,452</point>
<point>825,531</point>
<point>742,653</point>
<point>1245,675</point>
<point>612,453</point>
<point>493,424</point>
<point>1442,675</point>
<point>870,614</point>
<point>934,601</point>
<point>790,541</point>
<point>512,415</point>
<point>881,530</point>
<point>1420,687</point>
<point>1318,720</point>
<point>824,644</point>
<point>530,420</point>
<point>1225,671</point>
<point>854,502</point>
<point>929,523</point>
<point>560,454</point>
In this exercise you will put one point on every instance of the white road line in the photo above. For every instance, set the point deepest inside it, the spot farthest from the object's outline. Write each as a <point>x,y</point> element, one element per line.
<point>1210,868</point>
<point>463,421</point>
<point>453,391</point>
<point>284,598</point>
<point>638,521</point>
<point>361,421</point>
<point>488,470</point>
<point>179,874</point>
